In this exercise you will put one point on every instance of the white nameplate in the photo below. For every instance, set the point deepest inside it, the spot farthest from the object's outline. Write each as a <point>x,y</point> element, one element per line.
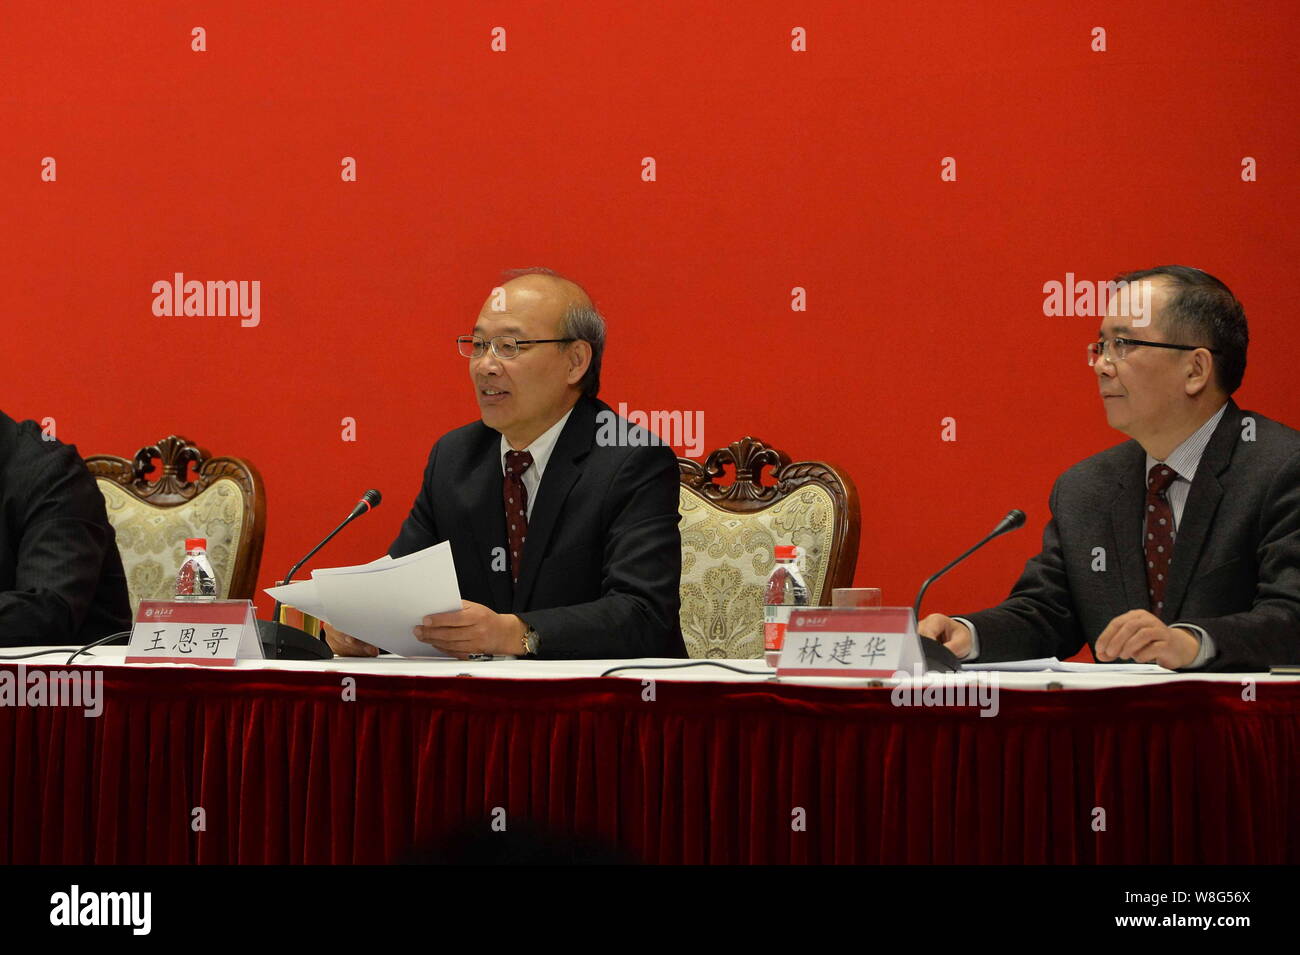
<point>866,642</point>
<point>213,633</point>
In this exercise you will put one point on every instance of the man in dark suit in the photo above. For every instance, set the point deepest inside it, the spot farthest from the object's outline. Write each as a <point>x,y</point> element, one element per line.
<point>61,578</point>
<point>566,543</point>
<point>1182,546</point>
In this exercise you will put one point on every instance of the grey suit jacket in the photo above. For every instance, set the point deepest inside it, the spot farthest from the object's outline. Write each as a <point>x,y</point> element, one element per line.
<point>1235,569</point>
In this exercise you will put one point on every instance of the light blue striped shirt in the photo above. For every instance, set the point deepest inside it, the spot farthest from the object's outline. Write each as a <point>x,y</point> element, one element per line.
<point>1184,460</point>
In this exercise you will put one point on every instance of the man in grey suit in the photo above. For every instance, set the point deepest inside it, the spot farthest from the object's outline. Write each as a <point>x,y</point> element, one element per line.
<point>1182,546</point>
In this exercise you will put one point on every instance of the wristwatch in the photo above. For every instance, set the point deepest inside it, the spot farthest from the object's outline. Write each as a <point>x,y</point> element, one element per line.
<point>530,640</point>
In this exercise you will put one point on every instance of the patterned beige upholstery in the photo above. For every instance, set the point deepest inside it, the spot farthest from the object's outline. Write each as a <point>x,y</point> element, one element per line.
<point>726,558</point>
<point>151,539</point>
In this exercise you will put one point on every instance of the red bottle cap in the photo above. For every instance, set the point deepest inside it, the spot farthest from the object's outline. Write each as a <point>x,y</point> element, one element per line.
<point>786,551</point>
<point>196,543</point>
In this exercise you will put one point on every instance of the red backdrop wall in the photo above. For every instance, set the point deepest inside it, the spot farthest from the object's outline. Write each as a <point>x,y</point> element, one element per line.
<point>774,169</point>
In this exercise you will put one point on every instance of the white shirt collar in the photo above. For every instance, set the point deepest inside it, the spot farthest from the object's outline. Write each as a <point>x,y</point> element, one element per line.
<point>541,447</point>
<point>1186,458</point>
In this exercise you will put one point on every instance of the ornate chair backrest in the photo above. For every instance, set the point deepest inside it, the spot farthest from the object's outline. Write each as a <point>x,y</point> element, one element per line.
<point>729,532</point>
<point>223,502</point>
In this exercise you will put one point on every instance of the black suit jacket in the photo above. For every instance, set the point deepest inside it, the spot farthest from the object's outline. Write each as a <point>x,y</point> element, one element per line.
<point>603,561</point>
<point>1236,563</point>
<point>61,579</point>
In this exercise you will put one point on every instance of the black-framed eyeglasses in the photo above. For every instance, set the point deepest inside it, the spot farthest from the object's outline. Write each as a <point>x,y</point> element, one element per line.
<point>1117,349</point>
<point>503,346</point>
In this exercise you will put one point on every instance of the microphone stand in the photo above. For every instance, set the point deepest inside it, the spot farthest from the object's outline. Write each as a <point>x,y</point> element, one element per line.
<point>938,657</point>
<point>280,641</point>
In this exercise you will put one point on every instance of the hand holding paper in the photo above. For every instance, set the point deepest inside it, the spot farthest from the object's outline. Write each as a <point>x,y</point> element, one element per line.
<point>346,645</point>
<point>473,629</point>
<point>383,601</point>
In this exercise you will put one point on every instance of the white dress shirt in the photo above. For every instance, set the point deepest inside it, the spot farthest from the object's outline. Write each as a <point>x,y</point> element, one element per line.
<point>1183,461</point>
<point>540,449</point>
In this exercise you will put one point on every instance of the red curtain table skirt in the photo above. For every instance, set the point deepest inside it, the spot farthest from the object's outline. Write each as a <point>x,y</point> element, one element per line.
<point>278,767</point>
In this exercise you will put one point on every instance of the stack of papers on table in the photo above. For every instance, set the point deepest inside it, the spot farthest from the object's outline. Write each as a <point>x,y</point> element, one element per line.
<point>1052,663</point>
<point>382,601</point>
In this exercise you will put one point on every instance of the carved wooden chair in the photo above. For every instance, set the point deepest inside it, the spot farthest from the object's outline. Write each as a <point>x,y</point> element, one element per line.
<point>729,532</point>
<point>224,502</point>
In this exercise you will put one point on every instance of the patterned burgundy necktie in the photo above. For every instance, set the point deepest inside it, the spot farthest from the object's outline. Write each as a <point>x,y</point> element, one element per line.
<point>516,499</point>
<point>1159,538</point>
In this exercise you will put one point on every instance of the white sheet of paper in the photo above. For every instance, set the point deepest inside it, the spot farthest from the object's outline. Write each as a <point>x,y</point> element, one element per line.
<point>1052,663</point>
<point>369,568</point>
<point>1065,666</point>
<point>300,594</point>
<point>381,602</point>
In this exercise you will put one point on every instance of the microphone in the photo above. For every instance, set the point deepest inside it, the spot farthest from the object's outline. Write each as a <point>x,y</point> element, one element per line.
<point>937,656</point>
<point>369,501</point>
<point>291,643</point>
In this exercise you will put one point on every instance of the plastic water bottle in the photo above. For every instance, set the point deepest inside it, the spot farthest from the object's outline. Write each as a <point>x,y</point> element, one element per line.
<point>785,591</point>
<point>196,580</point>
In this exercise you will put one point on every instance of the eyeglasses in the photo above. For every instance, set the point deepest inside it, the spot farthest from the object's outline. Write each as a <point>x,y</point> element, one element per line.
<point>503,346</point>
<point>1117,349</point>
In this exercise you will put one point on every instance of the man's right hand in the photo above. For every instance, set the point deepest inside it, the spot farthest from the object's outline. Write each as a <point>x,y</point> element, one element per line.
<point>953,635</point>
<point>344,645</point>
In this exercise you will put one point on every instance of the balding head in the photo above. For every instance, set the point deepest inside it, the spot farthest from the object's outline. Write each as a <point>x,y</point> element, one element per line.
<point>545,288</point>
<point>562,299</point>
<point>561,337</point>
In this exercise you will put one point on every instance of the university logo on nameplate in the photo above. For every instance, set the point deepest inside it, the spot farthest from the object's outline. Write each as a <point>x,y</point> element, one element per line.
<point>212,633</point>
<point>850,641</point>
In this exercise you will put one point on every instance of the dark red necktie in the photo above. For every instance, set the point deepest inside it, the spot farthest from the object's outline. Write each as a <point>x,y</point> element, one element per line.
<point>1159,537</point>
<point>516,500</point>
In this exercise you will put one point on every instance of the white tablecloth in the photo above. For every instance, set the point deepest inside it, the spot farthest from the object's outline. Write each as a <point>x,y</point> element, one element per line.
<point>513,669</point>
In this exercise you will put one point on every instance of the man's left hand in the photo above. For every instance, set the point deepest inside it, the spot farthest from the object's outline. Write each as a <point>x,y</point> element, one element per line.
<point>473,628</point>
<point>1142,637</point>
